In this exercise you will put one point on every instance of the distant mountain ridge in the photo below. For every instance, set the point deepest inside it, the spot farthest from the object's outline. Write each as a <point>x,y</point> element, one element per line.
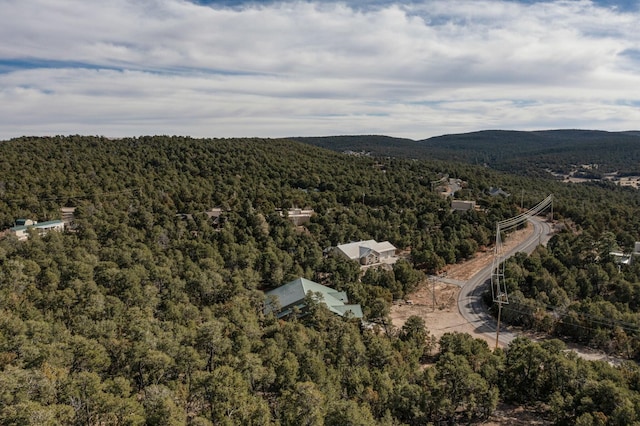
<point>522,152</point>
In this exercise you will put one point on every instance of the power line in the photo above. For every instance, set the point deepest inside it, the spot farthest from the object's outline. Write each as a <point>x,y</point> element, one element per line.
<point>498,285</point>
<point>634,328</point>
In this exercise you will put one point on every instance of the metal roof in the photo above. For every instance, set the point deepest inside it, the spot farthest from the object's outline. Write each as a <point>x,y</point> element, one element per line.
<point>360,249</point>
<point>295,291</point>
<point>39,225</point>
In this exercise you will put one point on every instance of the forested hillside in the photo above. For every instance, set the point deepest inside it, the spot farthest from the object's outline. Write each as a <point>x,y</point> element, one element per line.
<point>148,311</point>
<point>524,153</point>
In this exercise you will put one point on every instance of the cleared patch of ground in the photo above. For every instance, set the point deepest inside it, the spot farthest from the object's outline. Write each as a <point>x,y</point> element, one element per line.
<point>445,317</point>
<point>467,269</point>
<point>436,301</point>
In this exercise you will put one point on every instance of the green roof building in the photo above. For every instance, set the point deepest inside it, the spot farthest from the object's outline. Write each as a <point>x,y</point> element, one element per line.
<point>24,225</point>
<point>292,295</point>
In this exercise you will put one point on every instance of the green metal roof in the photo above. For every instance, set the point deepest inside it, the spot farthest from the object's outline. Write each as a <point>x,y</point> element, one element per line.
<point>293,294</point>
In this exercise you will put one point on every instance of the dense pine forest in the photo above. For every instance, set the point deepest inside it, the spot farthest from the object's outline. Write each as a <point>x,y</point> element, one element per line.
<point>149,310</point>
<point>518,152</point>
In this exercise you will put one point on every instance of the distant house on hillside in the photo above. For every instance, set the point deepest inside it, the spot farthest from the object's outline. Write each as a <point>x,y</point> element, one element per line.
<point>462,205</point>
<point>298,216</point>
<point>21,230</point>
<point>447,187</point>
<point>68,214</point>
<point>290,298</point>
<point>621,258</point>
<point>494,192</point>
<point>626,258</point>
<point>215,215</point>
<point>368,252</point>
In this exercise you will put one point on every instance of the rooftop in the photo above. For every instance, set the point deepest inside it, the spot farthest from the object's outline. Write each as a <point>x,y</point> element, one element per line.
<point>362,248</point>
<point>293,293</point>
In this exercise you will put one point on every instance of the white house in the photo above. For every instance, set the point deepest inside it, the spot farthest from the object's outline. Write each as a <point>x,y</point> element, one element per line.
<point>23,225</point>
<point>626,258</point>
<point>369,252</point>
<point>620,257</point>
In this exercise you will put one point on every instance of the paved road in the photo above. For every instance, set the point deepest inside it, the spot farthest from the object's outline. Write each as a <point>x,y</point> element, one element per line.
<point>470,302</point>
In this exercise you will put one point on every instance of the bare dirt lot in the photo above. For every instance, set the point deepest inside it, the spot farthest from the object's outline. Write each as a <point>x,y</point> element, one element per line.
<point>446,317</point>
<point>443,317</point>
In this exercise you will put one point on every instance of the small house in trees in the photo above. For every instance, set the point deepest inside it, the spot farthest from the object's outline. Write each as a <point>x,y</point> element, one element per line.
<point>68,214</point>
<point>21,230</point>
<point>495,192</point>
<point>448,186</point>
<point>626,258</point>
<point>215,215</point>
<point>462,205</point>
<point>368,252</point>
<point>298,216</point>
<point>621,258</point>
<point>291,297</point>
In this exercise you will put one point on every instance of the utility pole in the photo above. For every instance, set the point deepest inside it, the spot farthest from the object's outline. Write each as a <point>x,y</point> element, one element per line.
<point>498,284</point>
<point>498,327</point>
<point>433,292</point>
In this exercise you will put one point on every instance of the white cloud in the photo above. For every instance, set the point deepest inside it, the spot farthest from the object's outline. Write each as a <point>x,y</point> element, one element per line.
<point>128,67</point>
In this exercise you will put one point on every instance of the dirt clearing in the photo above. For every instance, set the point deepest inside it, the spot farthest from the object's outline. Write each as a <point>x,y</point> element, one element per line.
<point>445,317</point>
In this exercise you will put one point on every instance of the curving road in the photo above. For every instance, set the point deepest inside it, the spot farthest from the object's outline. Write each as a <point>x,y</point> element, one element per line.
<point>470,303</point>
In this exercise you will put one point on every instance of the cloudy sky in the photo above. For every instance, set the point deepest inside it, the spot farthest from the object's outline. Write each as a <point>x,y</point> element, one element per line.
<point>296,68</point>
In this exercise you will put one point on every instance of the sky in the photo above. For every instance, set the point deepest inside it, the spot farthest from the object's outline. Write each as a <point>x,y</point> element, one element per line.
<point>233,68</point>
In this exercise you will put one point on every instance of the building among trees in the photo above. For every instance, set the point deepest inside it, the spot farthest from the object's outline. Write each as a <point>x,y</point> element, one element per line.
<point>292,297</point>
<point>463,205</point>
<point>368,252</point>
<point>298,216</point>
<point>21,230</point>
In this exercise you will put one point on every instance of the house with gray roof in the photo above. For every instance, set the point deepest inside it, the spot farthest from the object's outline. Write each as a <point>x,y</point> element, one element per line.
<point>368,252</point>
<point>494,192</point>
<point>291,297</point>
<point>462,205</point>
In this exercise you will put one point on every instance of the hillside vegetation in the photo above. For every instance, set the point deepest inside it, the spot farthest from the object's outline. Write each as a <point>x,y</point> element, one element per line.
<point>528,153</point>
<point>148,311</point>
